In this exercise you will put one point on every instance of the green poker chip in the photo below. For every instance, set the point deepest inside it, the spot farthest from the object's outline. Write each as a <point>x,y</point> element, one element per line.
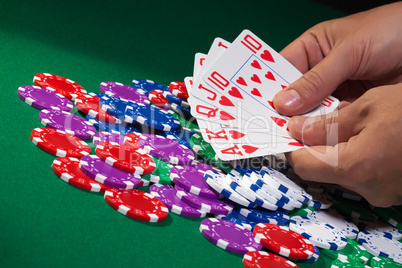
<point>190,125</point>
<point>392,215</point>
<point>304,211</point>
<point>225,166</point>
<point>346,263</point>
<point>202,148</point>
<point>384,262</point>
<point>160,175</point>
<point>353,251</point>
<point>358,210</point>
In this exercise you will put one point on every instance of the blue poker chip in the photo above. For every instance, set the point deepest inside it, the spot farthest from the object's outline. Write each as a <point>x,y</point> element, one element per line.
<point>236,217</point>
<point>180,135</point>
<point>261,216</point>
<point>183,112</point>
<point>175,100</point>
<point>321,234</point>
<point>379,245</point>
<point>148,85</point>
<point>313,258</point>
<point>96,94</point>
<point>115,106</point>
<point>121,129</point>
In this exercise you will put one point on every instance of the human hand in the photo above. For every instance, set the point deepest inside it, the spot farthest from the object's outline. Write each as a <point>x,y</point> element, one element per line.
<point>348,55</point>
<point>358,147</point>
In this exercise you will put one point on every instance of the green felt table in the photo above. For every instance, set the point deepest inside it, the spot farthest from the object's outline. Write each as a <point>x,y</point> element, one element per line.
<point>44,222</point>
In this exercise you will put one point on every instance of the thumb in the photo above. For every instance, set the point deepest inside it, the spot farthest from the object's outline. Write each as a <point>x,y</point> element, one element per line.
<point>314,86</point>
<point>330,129</point>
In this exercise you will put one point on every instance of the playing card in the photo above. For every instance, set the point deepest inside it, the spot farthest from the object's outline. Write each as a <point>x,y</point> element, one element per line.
<point>199,60</point>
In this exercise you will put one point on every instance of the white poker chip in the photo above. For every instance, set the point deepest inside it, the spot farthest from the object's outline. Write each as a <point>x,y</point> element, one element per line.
<point>319,233</point>
<point>380,245</point>
<point>332,217</point>
<point>321,201</point>
<point>381,227</point>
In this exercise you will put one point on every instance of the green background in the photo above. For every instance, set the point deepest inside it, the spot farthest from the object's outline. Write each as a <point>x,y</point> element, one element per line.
<point>45,222</point>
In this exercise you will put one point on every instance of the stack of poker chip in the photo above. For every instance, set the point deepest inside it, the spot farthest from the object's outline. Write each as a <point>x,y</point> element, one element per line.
<point>140,146</point>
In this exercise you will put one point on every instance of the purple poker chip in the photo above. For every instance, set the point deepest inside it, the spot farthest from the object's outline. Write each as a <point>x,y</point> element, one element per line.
<point>98,170</point>
<point>201,166</point>
<point>166,149</point>
<point>229,236</point>
<point>104,136</point>
<point>192,180</point>
<point>213,206</point>
<point>120,90</point>
<point>43,98</point>
<point>68,122</point>
<point>167,194</point>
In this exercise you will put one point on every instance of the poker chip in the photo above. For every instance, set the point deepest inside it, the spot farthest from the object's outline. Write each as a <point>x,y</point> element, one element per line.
<point>321,234</point>
<point>380,245</point>
<point>42,98</point>
<point>179,90</point>
<point>65,121</point>
<point>89,105</point>
<point>234,183</point>
<point>104,136</point>
<point>258,215</point>
<point>283,241</point>
<point>59,143</point>
<point>313,258</point>
<point>136,204</point>
<point>391,215</point>
<point>147,85</point>
<point>224,166</point>
<point>380,227</point>
<point>67,169</point>
<point>259,259</point>
<point>312,187</point>
<point>189,125</point>
<point>321,201</point>
<point>120,90</point>
<point>166,149</point>
<point>348,228</point>
<point>342,192</point>
<point>192,180</point>
<point>346,263</point>
<point>175,100</point>
<point>167,194</point>
<point>144,183</point>
<point>229,236</point>
<point>131,139</point>
<point>213,206</point>
<point>237,218</point>
<point>125,158</point>
<point>180,110</point>
<point>61,85</point>
<point>121,129</point>
<point>304,211</point>
<point>285,185</point>
<point>200,166</point>
<point>156,96</point>
<point>180,135</point>
<point>384,262</point>
<point>98,170</point>
<point>160,175</point>
<point>358,210</point>
<point>217,182</point>
<point>353,251</point>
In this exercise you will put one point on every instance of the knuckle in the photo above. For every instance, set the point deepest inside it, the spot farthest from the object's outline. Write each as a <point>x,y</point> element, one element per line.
<point>311,83</point>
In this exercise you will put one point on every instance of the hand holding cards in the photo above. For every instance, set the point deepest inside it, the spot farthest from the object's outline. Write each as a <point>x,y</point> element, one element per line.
<point>231,95</point>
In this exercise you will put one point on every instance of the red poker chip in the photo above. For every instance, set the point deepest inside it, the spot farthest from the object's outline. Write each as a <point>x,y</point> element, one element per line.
<point>156,96</point>
<point>64,86</point>
<point>125,157</point>
<point>179,89</point>
<point>260,259</point>
<point>283,241</point>
<point>59,143</point>
<point>90,105</point>
<point>131,139</point>
<point>67,169</point>
<point>136,204</point>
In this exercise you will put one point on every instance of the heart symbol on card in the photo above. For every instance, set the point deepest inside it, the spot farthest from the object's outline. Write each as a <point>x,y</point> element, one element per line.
<point>236,134</point>
<point>235,93</point>
<point>241,81</point>
<point>283,87</point>
<point>225,101</point>
<point>249,149</point>
<point>266,55</point>
<point>279,121</point>
<point>255,78</point>
<point>270,76</point>
<point>296,144</point>
<point>256,64</point>
<point>225,116</point>
<point>255,92</point>
<point>272,104</point>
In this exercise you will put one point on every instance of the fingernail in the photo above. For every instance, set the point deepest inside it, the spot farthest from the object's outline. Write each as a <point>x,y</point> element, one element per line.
<point>290,98</point>
<point>301,122</point>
